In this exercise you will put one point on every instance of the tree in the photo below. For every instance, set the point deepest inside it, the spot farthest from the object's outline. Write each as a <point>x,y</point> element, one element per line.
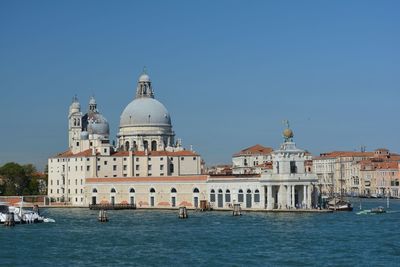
<point>19,179</point>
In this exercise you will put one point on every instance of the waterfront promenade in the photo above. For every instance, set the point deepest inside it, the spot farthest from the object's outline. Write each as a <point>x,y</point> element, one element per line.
<point>159,238</point>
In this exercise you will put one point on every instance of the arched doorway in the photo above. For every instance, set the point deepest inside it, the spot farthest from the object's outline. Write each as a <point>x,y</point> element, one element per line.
<point>220,201</point>
<point>248,199</point>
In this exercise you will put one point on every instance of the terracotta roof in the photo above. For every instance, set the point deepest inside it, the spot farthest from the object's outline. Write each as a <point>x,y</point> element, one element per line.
<point>254,150</point>
<point>148,179</point>
<point>338,154</point>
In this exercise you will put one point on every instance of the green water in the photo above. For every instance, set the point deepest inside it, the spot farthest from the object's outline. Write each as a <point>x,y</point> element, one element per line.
<point>159,238</point>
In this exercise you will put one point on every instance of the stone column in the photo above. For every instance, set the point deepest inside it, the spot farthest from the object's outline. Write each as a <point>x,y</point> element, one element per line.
<point>293,197</point>
<point>304,202</point>
<point>288,192</point>
<point>309,193</point>
<point>269,197</point>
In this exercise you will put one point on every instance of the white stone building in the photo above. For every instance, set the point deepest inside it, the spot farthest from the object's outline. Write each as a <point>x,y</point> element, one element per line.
<point>252,160</point>
<point>146,148</point>
<point>149,169</point>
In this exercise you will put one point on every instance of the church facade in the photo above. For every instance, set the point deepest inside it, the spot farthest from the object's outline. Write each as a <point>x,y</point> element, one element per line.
<point>149,168</point>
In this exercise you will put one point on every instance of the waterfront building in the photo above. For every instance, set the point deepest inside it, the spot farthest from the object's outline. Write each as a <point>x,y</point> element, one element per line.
<point>146,148</point>
<point>252,160</point>
<point>149,168</point>
<point>288,185</point>
<point>356,173</point>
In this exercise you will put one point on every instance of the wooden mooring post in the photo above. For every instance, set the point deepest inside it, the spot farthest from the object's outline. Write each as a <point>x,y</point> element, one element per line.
<point>237,210</point>
<point>9,219</point>
<point>183,213</point>
<point>103,216</point>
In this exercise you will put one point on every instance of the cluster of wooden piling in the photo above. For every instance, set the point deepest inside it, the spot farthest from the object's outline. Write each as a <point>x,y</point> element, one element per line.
<point>9,219</point>
<point>183,213</point>
<point>103,216</point>
<point>237,210</point>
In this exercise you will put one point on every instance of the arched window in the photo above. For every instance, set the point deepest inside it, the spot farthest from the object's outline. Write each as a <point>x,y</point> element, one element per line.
<point>248,191</point>
<point>132,190</point>
<point>196,190</point>
<point>134,145</point>
<point>146,144</point>
<point>240,196</point>
<point>227,195</point>
<point>94,190</point>
<point>74,122</point>
<point>212,195</point>
<point>153,145</point>
<point>152,190</point>
<point>256,195</point>
<point>126,145</point>
<point>220,191</point>
<point>173,190</point>
<point>78,122</point>
<point>113,190</point>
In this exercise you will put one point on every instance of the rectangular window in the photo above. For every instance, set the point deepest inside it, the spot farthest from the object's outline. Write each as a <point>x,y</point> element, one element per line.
<point>124,159</point>
<point>194,158</point>
<point>77,143</point>
<point>98,168</point>
<point>137,159</point>
<point>114,167</point>
<point>88,168</point>
<point>125,174</point>
<point>137,167</point>
<point>161,167</point>
<point>161,158</point>
<point>182,158</point>
<point>114,159</point>
<point>87,159</point>
<point>149,167</point>
<point>137,174</point>
<point>149,158</point>
<point>293,167</point>
<point>125,167</point>
<point>105,162</point>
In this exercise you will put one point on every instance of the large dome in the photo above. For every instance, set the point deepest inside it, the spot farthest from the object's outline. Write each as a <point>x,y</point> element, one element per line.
<point>145,112</point>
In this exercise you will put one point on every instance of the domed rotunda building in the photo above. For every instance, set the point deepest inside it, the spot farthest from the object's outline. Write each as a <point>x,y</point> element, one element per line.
<point>145,123</point>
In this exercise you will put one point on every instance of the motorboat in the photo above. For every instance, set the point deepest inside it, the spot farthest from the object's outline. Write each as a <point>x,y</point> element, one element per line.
<point>377,210</point>
<point>20,215</point>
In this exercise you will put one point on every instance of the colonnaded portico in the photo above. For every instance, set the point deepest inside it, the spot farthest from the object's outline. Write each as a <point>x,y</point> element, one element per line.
<point>288,185</point>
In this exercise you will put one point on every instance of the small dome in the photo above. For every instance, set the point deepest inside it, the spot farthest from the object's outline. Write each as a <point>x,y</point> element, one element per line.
<point>84,135</point>
<point>145,112</point>
<point>97,124</point>
<point>144,78</point>
<point>288,133</point>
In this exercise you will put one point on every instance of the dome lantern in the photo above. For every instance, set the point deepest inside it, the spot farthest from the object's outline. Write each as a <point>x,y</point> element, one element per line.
<point>144,88</point>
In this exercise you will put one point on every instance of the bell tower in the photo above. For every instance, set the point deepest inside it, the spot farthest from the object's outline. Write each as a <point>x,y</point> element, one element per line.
<point>74,124</point>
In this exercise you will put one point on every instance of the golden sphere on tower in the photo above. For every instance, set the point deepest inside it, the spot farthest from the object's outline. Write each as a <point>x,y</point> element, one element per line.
<point>288,133</point>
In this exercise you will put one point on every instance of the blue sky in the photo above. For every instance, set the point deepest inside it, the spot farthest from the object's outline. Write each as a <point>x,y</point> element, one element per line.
<point>229,72</point>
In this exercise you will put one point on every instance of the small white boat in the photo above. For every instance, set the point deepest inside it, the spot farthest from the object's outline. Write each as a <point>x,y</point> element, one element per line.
<point>20,215</point>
